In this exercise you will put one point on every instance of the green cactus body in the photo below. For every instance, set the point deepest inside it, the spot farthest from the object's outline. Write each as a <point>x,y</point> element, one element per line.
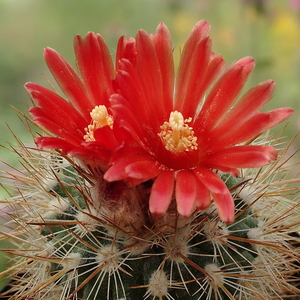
<point>88,251</point>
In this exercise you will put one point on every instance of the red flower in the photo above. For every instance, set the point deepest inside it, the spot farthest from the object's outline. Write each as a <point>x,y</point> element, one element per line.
<point>83,126</point>
<point>178,131</point>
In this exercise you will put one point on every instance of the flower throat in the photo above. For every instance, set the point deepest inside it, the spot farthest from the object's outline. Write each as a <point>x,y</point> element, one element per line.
<point>176,135</point>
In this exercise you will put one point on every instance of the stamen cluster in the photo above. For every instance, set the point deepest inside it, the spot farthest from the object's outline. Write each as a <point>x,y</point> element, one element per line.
<point>100,118</point>
<point>177,135</point>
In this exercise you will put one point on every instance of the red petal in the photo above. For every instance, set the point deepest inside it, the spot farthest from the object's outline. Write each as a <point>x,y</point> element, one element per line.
<point>243,157</point>
<point>236,135</point>
<point>144,169</point>
<point>85,154</point>
<point>211,180</point>
<point>57,109</point>
<point>203,198</point>
<point>186,68</point>
<point>163,47</point>
<point>190,89</point>
<point>95,66</point>
<point>215,68</point>
<point>278,116</point>
<point>43,120</point>
<point>233,171</point>
<point>54,143</point>
<point>186,192</point>
<point>150,76</point>
<point>246,108</point>
<point>129,86</point>
<point>93,154</point>
<point>161,193</point>
<point>117,171</point>
<point>223,94</point>
<point>220,193</point>
<point>225,206</point>
<point>125,49</point>
<point>251,128</point>
<point>132,167</point>
<point>69,82</point>
<point>124,117</point>
<point>104,136</point>
<point>125,152</point>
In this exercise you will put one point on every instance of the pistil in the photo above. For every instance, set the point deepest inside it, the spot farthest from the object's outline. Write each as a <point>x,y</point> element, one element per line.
<point>100,118</point>
<point>176,135</point>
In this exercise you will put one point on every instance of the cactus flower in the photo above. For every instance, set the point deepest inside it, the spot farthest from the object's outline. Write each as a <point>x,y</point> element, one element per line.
<point>140,122</point>
<point>83,124</point>
<point>177,129</point>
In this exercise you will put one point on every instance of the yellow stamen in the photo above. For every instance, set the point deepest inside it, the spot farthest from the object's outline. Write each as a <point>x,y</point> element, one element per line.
<point>176,135</point>
<point>100,118</point>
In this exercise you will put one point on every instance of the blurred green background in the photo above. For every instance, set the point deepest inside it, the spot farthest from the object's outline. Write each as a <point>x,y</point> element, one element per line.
<point>269,31</point>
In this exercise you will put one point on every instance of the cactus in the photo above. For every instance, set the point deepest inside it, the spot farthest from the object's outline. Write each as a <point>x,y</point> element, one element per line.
<point>93,221</point>
<point>67,246</point>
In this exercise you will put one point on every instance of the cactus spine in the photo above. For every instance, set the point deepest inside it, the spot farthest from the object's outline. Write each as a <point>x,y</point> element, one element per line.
<point>80,239</point>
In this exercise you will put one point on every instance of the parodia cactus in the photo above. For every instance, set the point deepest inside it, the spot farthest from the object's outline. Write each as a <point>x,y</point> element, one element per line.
<point>69,247</point>
<point>123,209</point>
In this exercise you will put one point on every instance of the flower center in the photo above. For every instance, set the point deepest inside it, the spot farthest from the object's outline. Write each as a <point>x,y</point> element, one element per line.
<point>176,135</point>
<point>100,118</point>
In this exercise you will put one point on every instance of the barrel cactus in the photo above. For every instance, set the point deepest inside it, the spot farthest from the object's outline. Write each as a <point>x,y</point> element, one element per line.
<point>67,246</point>
<point>106,209</point>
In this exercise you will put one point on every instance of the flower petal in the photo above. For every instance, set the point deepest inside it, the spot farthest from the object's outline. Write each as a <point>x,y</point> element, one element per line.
<point>246,108</point>
<point>211,180</point>
<point>54,143</point>
<point>161,192</point>
<point>143,169</point>
<point>137,166</point>
<point>186,192</point>
<point>69,82</point>
<point>104,136</point>
<point>57,109</point>
<point>162,43</point>
<point>225,206</point>
<point>129,87</point>
<point>222,197</point>
<point>278,116</point>
<point>251,128</point>
<point>43,120</point>
<point>95,66</point>
<point>243,157</point>
<point>124,118</point>
<point>94,155</point>
<point>195,75</point>
<point>230,170</point>
<point>223,94</point>
<point>203,198</point>
<point>188,95</point>
<point>125,49</point>
<point>147,65</point>
<point>125,152</point>
<point>186,68</point>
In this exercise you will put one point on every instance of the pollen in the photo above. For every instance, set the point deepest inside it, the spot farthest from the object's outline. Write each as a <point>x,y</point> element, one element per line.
<point>176,135</point>
<point>100,118</point>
